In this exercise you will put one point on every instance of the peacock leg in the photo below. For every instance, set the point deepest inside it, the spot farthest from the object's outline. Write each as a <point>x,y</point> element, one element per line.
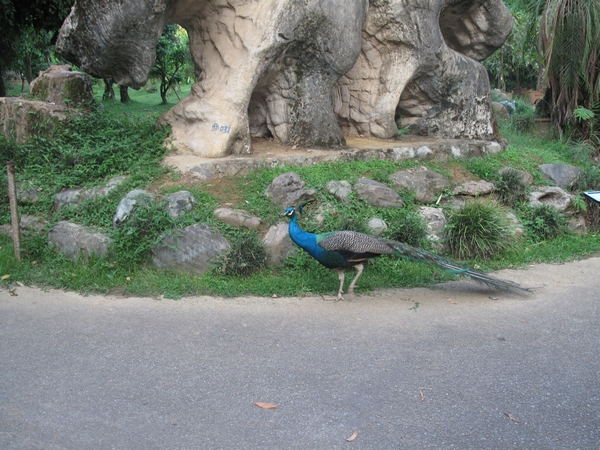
<point>340,273</point>
<point>359,269</point>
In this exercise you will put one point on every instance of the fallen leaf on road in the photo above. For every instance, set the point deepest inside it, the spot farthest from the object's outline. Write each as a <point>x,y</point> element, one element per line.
<point>453,303</point>
<point>265,405</point>
<point>20,284</point>
<point>351,438</point>
<point>511,417</point>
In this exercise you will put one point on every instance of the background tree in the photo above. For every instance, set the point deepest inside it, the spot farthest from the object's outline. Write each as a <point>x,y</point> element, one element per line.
<point>515,64</point>
<point>17,19</point>
<point>172,57</point>
<point>569,40</point>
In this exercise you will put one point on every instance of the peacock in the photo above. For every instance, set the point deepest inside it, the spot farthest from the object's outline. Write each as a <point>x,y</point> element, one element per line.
<point>339,250</point>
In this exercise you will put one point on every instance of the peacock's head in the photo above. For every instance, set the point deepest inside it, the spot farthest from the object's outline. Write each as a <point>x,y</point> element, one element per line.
<point>290,212</point>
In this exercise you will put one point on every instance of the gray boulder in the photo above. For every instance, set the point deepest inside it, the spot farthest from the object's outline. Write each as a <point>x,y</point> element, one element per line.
<point>61,85</point>
<point>577,225</point>
<point>475,188</point>
<point>340,190</point>
<point>72,197</point>
<point>179,203</point>
<point>563,175</point>
<point>28,224</point>
<point>377,194</point>
<point>435,221</point>
<point>278,244</point>
<point>74,240</point>
<point>288,190</point>
<point>191,249</point>
<point>500,110</point>
<point>551,195</point>
<point>133,199</point>
<point>237,218</point>
<point>426,184</point>
<point>20,118</point>
<point>515,227</point>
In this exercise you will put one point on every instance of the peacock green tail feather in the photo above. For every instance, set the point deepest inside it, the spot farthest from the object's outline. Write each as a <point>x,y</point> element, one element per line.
<point>419,255</point>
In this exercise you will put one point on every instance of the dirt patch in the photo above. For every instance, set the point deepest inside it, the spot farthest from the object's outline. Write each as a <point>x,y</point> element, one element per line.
<point>459,174</point>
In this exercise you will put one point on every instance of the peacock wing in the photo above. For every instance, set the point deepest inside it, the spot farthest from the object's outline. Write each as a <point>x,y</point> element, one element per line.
<point>352,241</point>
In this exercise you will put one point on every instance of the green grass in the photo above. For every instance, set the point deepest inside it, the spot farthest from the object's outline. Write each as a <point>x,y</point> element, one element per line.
<point>122,139</point>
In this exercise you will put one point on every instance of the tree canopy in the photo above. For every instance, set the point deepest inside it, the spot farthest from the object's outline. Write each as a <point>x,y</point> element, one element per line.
<point>19,19</point>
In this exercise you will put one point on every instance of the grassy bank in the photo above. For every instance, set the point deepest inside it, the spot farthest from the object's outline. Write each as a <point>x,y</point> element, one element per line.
<point>122,139</point>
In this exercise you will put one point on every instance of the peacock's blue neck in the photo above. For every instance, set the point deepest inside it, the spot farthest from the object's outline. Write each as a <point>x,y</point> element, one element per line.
<point>304,239</point>
<point>299,236</point>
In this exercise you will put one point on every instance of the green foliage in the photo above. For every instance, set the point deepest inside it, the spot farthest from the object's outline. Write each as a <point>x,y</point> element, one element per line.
<point>589,180</point>
<point>86,152</point>
<point>524,117</point>
<point>543,222</point>
<point>172,55</point>
<point>570,44</point>
<point>510,188</point>
<point>246,255</point>
<point>135,237</point>
<point>406,226</point>
<point>515,64</point>
<point>478,230</point>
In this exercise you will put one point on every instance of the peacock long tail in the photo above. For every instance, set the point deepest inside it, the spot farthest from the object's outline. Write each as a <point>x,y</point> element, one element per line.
<point>419,255</point>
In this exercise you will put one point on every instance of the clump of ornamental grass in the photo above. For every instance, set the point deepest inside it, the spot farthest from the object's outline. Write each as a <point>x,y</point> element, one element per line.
<point>478,230</point>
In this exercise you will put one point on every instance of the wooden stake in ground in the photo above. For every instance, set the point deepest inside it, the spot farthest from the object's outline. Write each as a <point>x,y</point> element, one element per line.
<point>14,211</point>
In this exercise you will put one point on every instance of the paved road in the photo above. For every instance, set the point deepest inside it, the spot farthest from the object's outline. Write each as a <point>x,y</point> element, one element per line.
<point>410,369</point>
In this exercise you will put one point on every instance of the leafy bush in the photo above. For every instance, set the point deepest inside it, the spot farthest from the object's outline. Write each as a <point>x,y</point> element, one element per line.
<point>246,256</point>
<point>510,187</point>
<point>524,117</point>
<point>589,180</point>
<point>410,229</point>
<point>136,236</point>
<point>543,222</point>
<point>478,230</point>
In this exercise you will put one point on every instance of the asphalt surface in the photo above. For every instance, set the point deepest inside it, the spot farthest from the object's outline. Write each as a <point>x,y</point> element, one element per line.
<point>447,368</point>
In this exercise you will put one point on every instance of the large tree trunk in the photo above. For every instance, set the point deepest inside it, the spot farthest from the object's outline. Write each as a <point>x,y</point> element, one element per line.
<point>2,86</point>
<point>124,94</point>
<point>28,71</point>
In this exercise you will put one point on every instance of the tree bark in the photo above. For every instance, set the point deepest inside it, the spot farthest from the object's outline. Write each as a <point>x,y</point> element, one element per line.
<point>2,85</point>
<point>28,71</point>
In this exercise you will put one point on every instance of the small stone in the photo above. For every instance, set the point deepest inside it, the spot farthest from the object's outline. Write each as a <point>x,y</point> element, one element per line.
<point>376,226</point>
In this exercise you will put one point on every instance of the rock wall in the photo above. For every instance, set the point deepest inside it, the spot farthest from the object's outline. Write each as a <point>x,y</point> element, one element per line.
<point>304,72</point>
<point>418,67</point>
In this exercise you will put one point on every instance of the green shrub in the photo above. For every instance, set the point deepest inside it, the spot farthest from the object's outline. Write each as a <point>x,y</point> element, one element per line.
<point>543,222</point>
<point>589,180</point>
<point>479,229</point>
<point>141,230</point>
<point>510,187</point>
<point>410,229</point>
<point>246,256</point>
